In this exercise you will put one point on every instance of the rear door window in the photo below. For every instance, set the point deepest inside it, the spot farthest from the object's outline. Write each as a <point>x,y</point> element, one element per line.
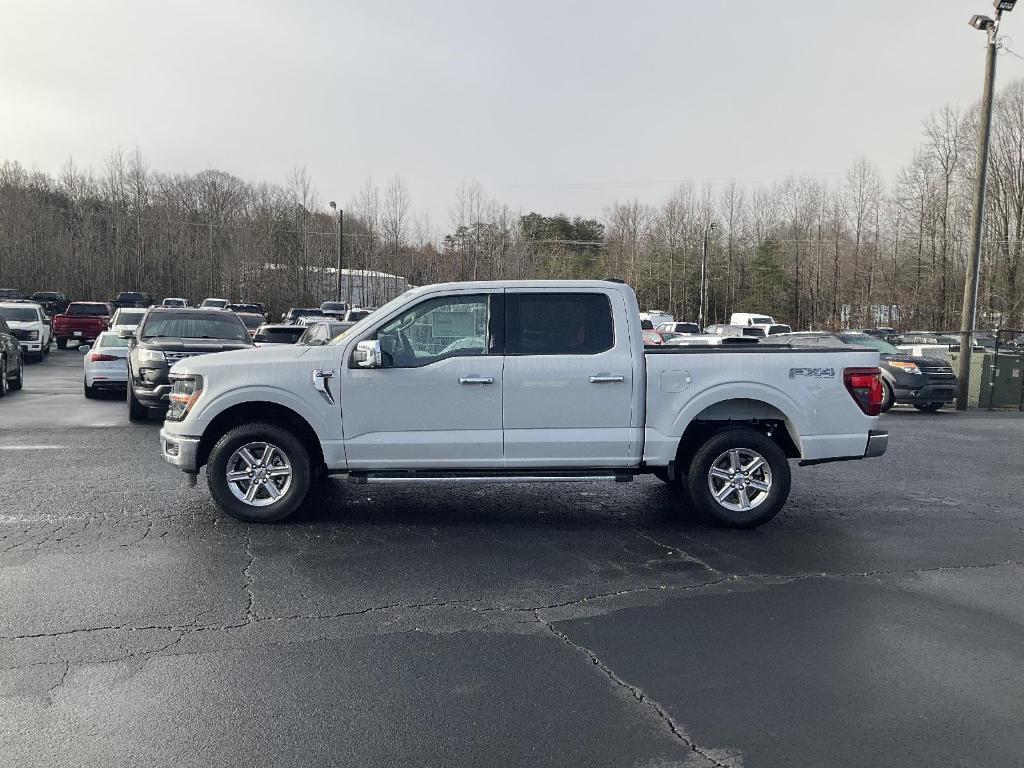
<point>558,324</point>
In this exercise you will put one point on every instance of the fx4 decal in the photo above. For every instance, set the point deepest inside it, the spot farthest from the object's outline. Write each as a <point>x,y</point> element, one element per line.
<point>814,373</point>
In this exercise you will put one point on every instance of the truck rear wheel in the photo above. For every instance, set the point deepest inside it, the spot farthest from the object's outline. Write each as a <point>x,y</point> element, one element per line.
<point>259,473</point>
<point>62,343</point>
<point>739,478</point>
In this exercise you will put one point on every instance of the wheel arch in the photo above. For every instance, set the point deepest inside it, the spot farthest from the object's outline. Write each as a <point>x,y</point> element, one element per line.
<point>749,412</point>
<point>260,411</point>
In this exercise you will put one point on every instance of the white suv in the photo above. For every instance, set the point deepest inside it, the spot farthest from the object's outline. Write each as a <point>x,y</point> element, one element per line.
<point>30,326</point>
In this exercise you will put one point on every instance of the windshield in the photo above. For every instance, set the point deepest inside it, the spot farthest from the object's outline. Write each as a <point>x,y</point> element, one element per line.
<point>252,322</point>
<point>864,340</point>
<point>125,317</point>
<point>280,335</point>
<point>19,314</point>
<point>227,327</point>
<point>216,303</point>
<point>333,306</point>
<point>371,318</point>
<point>88,310</point>
<point>107,340</point>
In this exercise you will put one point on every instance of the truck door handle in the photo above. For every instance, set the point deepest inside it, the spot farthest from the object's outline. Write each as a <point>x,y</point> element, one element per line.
<point>320,383</point>
<point>476,380</point>
<point>607,379</point>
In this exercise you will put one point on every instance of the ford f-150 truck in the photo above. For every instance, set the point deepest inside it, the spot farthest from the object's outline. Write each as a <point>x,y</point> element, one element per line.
<point>535,381</point>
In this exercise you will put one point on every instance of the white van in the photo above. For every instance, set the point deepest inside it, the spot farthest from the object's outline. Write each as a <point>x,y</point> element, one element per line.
<point>746,318</point>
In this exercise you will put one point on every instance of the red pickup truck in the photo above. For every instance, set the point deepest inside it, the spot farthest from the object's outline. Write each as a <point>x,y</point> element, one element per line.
<point>83,321</point>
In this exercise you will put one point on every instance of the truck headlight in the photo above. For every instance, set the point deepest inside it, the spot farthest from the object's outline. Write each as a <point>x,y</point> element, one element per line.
<point>185,391</point>
<point>906,367</point>
<point>151,356</point>
<point>32,336</point>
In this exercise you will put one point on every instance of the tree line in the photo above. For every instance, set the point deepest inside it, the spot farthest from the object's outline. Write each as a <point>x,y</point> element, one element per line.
<point>864,249</point>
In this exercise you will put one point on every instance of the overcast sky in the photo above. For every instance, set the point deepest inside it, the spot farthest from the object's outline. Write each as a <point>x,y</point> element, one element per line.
<point>551,105</point>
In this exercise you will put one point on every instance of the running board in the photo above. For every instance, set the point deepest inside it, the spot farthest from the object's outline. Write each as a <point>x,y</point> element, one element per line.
<point>614,476</point>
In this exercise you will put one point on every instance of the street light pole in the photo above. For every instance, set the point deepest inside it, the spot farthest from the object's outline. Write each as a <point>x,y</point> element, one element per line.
<point>341,234</point>
<point>969,312</point>
<point>703,277</point>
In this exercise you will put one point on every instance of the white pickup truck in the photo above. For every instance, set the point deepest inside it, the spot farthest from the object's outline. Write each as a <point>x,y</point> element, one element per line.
<point>518,381</point>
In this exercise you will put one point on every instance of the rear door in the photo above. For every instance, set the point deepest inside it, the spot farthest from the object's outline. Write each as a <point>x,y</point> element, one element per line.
<point>569,379</point>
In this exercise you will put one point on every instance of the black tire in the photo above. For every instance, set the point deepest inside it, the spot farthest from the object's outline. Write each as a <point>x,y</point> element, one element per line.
<point>46,349</point>
<point>290,450</point>
<point>62,343</point>
<point>888,399</point>
<point>90,392</point>
<point>136,410</point>
<point>928,407</point>
<point>16,384</point>
<point>765,505</point>
<point>5,383</point>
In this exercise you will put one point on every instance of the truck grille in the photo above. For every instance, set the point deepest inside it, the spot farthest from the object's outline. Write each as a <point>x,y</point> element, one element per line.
<point>20,334</point>
<point>938,371</point>
<point>173,357</point>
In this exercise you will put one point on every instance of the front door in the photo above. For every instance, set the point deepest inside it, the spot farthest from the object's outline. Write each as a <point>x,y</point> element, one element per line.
<point>569,397</point>
<point>436,402</point>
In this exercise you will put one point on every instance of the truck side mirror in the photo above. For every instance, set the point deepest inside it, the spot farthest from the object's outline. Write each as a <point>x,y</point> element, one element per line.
<point>367,354</point>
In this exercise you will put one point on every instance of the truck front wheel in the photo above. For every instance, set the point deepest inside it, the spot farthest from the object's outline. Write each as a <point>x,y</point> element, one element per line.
<point>259,473</point>
<point>739,478</point>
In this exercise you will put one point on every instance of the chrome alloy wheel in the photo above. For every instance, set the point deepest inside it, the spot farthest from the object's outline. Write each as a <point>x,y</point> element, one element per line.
<point>740,479</point>
<point>259,474</point>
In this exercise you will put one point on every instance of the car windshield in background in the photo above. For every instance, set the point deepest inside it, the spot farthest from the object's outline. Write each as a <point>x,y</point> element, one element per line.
<point>779,329</point>
<point>252,322</point>
<point>19,314</point>
<point>88,310</point>
<point>332,306</point>
<point>864,340</point>
<point>112,340</point>
<point>130,318</point>
<point>244,308</point>
<point>227,327</point>
<point>282,335</point>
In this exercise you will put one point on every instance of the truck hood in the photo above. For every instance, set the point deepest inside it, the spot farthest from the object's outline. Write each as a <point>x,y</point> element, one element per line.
<point>23,325</point>
<point>916,359</point>
<point>195,346</point>
<point>252,357</point>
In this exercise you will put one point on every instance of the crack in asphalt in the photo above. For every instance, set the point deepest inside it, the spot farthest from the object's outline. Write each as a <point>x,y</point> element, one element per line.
<point>250,614</point>
<point>659,711</point>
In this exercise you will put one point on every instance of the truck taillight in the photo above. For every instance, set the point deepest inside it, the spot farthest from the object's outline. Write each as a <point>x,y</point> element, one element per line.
<point>99,357</point>
<point>865,387</point>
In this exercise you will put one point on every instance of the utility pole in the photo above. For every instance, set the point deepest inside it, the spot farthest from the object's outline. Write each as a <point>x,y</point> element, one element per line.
<point>968,315</point>
<point>704,277</point>
<point>341,234</point>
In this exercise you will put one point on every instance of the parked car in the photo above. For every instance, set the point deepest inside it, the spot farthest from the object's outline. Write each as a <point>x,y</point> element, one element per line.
<point>355,314</point>
<point>753,331</point>
<point>105,364</point>
<point>12,361</point>
<point>249,309</point>
<point>84,321</point>
<point>924,382</point>
<point>132,299</point>
<point>318,334</point>
<point>294,313</point>
<point>52,302</point>
<point>252,321</point>
<point>334,308</point>
<point>167,336</point>
<point>11,294</point>
<point>747,318</point>
<point>214,304</point>
<point>126,319</point>
<point>282,333</point>
<point>29,324</point>
<point>522,380</point>
<point>175,301</point>
<point>679,328</point>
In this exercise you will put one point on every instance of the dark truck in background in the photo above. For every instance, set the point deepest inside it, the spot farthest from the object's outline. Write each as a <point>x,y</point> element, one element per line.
<point>52,302</point>
<point>136,299</point>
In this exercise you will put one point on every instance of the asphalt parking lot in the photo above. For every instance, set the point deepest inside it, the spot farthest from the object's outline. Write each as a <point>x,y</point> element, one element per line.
<point>877,621</point>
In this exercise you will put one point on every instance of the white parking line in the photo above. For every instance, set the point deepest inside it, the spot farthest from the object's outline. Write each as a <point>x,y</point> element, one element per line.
<point>32,447</point>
